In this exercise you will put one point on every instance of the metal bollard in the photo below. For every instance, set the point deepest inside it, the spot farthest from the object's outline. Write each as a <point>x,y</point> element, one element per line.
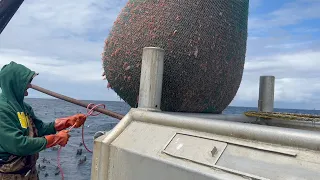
<point>266,94</point>
<point>151,78</point>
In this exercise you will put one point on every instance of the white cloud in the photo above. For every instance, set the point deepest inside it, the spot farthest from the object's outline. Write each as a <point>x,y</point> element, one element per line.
<point>286,90</point>
<point>76,17</point>
<point>255,4</point>
<point>296,77</point>
<point>289,45</point>
<point>284,43</point>
<point>63,29</point>
<point>66,70</point>
<point>63,41</point>
<point>290,64</point>
<point>289,14</point>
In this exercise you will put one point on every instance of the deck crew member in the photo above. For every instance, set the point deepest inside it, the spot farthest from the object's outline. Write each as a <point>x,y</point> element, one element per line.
<point>22,134</point>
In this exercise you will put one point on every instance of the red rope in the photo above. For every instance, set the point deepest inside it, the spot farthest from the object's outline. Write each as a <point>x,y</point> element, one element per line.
<point>90,112</point>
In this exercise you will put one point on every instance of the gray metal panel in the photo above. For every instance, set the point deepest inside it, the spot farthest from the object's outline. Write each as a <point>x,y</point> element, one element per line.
<point>127,165</point>
<point>196,149</point>
<point>276,135</point>
<point>137,154</point>
<point>270,165</point>
<point>137,148</point>
<point>296,124</point>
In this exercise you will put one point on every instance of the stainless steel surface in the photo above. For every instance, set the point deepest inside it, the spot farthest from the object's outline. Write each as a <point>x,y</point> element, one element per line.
<point>266,93</point>
<point>128,165</point>
<point>296,124</point>
<point>272,165</point>
<point>137,154</point>
<point>98,134</point>
<point>278,135</point>
<point>195,149</point>
<point>225,117</point>
<point>249,144</point>
<point>147,145</point>
<point>151,78</point>
<point>100,157</point>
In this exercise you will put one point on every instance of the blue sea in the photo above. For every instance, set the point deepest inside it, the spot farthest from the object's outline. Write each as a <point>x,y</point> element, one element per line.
<point>50,109</point>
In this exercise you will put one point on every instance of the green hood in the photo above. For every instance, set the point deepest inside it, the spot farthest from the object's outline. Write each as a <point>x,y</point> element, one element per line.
<point>15,114</point>
<point>14,79</point>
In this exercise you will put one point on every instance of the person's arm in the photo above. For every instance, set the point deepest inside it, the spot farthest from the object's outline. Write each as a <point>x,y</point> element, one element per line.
<point>59,124</point>
<point>43,128</point>
<point>13,140</point>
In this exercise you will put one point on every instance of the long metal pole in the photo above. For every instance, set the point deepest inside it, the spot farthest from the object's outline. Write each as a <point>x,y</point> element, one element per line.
<point>77,102</point>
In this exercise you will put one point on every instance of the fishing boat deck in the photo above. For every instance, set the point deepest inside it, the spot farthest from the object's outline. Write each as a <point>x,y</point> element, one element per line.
<point>151,144</point>
<point>157,145</point>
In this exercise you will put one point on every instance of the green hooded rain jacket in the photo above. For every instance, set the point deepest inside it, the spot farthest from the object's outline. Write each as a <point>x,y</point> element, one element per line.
<point>14,131</point>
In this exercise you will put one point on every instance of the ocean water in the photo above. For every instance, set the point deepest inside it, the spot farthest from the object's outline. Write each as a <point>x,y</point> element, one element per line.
<point>50,109</point>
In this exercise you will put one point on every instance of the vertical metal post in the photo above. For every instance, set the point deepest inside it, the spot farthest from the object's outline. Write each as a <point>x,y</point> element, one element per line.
<point>266,94</point>
<point>151,78</point>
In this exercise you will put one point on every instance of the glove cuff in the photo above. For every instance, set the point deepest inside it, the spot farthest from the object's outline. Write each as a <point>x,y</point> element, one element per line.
<point>50,141</point>
<point>62,123</point>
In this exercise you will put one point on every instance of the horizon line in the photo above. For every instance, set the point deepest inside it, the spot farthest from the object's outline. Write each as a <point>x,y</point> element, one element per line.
<point>53,98</point>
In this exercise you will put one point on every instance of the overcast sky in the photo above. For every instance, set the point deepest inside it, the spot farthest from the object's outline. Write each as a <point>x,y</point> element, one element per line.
<point>63,41</point>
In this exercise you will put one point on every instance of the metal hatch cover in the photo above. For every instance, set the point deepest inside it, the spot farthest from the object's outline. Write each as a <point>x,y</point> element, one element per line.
<point>196,149</point>
<point>207,151</point>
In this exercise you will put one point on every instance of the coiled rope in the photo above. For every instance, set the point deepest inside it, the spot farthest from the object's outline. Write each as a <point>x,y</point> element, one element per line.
<point>283,115</point>
<point>90,112</point>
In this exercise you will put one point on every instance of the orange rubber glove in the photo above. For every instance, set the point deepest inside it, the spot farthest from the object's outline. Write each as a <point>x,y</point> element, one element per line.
<point>76,120</point>
<point>57,139</point>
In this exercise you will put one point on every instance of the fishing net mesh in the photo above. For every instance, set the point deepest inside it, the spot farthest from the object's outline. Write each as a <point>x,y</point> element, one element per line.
<point>204,43</point>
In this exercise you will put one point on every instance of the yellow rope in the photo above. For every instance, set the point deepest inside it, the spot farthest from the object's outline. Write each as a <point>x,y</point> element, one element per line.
<point>282,115</point>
